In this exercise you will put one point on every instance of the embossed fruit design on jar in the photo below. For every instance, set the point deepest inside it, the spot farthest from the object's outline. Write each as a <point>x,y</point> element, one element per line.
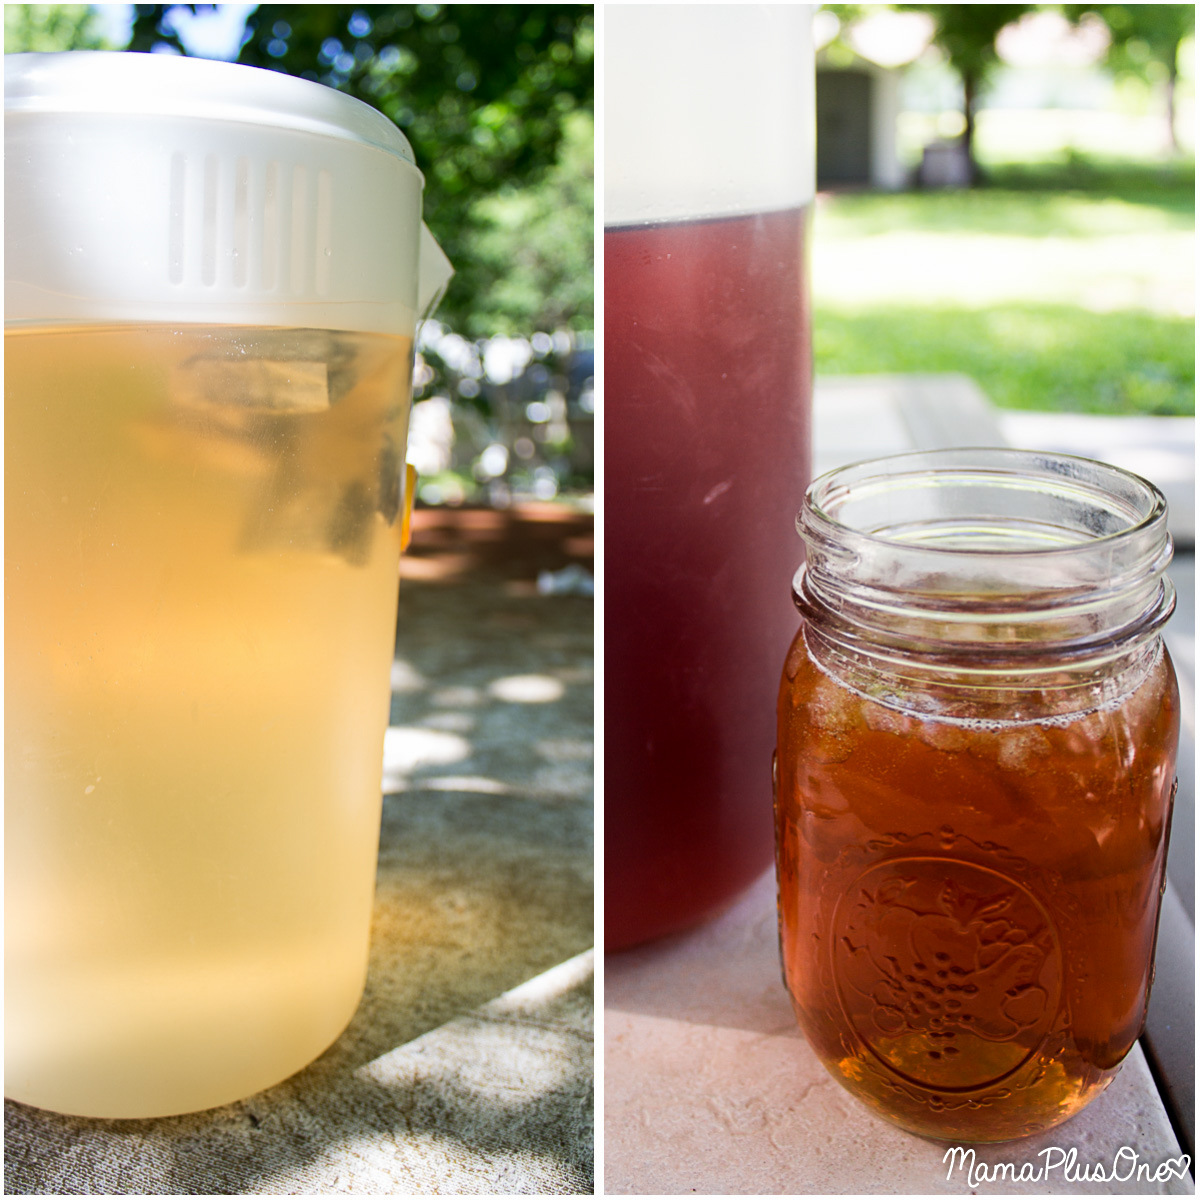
<point>975,767</point>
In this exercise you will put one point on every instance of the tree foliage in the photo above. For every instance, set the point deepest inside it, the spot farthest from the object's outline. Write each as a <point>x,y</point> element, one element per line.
<point>47,28</point>
<point>1145,41</point>
<point>535,245</point>
<point>966,33</point>
<point>484,92</point>
<point>1141,33</point>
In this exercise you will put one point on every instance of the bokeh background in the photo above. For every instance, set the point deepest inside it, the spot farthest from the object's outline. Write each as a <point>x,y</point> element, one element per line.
<point>1008,191</point>
<point>497,103</point>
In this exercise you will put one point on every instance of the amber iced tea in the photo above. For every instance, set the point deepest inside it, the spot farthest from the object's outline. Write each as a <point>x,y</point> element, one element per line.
<point>969,912</point>
<point>977,727</point>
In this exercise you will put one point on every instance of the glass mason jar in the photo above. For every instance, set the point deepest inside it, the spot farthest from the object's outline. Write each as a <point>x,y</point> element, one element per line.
<point>975,768</point>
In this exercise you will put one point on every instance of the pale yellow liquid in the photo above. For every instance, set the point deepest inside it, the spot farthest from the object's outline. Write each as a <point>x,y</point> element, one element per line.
<point>201,545</point>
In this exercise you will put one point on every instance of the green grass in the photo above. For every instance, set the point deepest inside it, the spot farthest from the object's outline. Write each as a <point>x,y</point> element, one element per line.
<point>1169,186</point>
<point>1010,210</point>
<point>1056,358</point>
<point>1060,286</point>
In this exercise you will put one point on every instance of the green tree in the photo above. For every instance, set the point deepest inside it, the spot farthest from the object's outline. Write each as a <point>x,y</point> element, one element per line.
<point>483,92</point>
<point>1145,42</point>
<point>966,34</point>
<point>536,245</point>
<point>51,27</point>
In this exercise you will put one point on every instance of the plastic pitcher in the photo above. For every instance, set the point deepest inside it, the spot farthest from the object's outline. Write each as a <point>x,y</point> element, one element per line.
<point>213,276</point>
<point>708,184</point>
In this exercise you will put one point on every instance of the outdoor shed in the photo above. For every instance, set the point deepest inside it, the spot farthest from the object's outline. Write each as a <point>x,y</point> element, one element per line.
<point>857,107</point>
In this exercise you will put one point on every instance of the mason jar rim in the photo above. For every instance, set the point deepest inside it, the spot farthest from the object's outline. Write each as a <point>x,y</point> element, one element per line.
<point>995,554</point>
<point>829,492</point>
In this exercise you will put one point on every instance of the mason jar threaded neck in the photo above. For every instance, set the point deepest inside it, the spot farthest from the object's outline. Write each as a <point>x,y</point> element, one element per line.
<point>985,561</point>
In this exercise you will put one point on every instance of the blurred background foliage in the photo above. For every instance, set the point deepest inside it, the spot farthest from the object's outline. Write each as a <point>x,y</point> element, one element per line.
<point>1061,277</point>
<point>46,28</point>
<point>1143,45</point>
<point>497,101</point>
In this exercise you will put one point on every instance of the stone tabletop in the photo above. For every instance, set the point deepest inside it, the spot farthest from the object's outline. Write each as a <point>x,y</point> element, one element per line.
<point>710,1089</point>
<point>468,1067</point>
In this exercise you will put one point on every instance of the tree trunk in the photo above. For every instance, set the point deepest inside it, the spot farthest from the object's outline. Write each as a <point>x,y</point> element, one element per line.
<point>1172,76</point>
<point>970,86</point>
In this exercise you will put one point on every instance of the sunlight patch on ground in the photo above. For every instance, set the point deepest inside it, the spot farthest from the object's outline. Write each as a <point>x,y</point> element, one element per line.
<point>466,783</point>
<point>452,722</point>
<point>1103,274</point>
<point>406,749</point>
<point>498,1066</point>
<point>406,677</point>
<point>527,689</point>
<point>456,697</point>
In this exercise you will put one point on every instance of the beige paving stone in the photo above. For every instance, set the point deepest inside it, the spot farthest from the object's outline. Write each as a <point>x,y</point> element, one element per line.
<point>710,1089</point>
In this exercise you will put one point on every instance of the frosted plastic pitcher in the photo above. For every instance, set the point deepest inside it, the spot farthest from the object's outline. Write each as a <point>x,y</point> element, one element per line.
<point>213,276</point>
<point>708,187</point>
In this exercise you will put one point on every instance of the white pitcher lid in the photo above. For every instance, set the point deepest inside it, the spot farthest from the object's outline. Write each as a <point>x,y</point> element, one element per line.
<point>153,187</point>
<point>169,85</point>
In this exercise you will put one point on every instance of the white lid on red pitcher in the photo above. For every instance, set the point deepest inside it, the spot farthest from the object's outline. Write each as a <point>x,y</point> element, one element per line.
<point>145,187</point>
<point>709,110</point>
